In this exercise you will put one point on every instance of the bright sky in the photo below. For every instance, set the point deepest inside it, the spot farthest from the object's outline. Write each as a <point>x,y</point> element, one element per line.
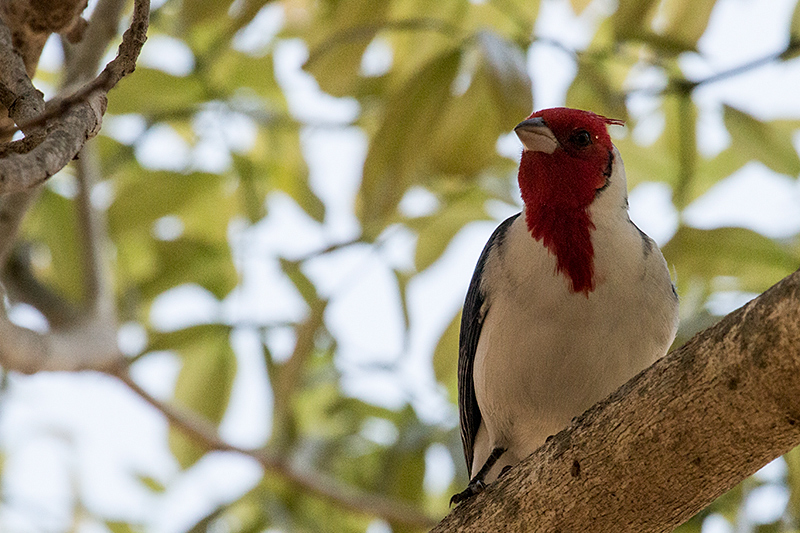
<point>86,434</point>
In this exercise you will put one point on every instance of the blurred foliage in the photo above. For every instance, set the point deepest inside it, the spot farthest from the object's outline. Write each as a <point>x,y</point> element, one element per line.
<point>456,79</point>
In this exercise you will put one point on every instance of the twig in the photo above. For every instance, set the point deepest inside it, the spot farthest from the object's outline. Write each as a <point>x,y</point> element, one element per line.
<point>98,294</point>
<point>123,64</point>
<point>682,85</point>
<point>314,483</point>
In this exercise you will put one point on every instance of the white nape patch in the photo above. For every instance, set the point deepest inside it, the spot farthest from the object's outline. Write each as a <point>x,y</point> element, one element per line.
<point>539,139</point>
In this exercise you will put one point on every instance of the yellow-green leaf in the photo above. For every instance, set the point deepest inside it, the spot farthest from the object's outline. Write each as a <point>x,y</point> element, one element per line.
<point>436,232</point>
<point>204,383</point>
<point>751,139</point>
<point>445,358</point>
<point>52,223</point>
<point>594,90</point>
<point>154,92</point>
<point>686,20</point>
<point>768,142</point>
<point>756,261</point>
<point>335,60</point>
<point>394,156</point>
<point>498,97</point>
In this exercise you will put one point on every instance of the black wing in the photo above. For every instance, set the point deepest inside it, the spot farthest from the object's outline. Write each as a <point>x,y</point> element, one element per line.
<point>471,323</point>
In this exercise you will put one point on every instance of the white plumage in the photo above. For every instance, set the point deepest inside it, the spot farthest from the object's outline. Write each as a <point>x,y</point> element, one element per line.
<point>545,355</point>
<point>568,301</point>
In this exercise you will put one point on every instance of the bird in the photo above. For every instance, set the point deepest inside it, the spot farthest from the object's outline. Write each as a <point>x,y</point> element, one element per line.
<point>569,298</point>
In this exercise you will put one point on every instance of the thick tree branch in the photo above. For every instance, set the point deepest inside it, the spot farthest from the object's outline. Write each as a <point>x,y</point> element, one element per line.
<point>85,345</point>
<point>668,442</point>
<point>23,101</point>
<point>310,482</point>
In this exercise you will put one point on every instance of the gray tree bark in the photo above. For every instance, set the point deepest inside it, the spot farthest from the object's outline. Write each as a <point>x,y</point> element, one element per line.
<point>668,442</point>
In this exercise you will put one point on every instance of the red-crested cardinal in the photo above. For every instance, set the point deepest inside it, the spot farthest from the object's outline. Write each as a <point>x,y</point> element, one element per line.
<point>569,298</point>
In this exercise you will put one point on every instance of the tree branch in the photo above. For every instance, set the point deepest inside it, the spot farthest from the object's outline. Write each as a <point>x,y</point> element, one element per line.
<point>315,483</point>
<point>668,442</point>
<point>23,101</point>
<point>80,115</point>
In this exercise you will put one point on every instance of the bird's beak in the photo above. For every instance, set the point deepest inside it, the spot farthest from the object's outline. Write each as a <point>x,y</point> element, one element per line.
<point>536,136</point>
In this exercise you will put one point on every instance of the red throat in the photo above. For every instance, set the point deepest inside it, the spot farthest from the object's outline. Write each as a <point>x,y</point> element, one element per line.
<point>557,191</point>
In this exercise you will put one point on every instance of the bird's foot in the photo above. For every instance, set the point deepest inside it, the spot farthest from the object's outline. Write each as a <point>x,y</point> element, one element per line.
<point>475,486</point>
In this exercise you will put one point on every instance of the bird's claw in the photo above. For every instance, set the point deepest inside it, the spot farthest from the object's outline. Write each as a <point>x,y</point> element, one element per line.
<point>472,489</point>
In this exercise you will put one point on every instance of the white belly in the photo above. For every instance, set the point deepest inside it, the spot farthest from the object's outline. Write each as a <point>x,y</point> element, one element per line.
<point>546,354</point>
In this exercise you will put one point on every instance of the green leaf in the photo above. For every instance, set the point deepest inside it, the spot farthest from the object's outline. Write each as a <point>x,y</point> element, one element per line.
<point>204,383</point>
<point>151,483</point>
<point>423,31</point>
<point>593,89</point>
<point>335,59</point>
<point>756,261</point>
<point>751,139</point>
<point>119,527</point>
<point>394,156</point>
<point>199,11</point>
<point>304,285</point>
<point>187,260</point>
<point>153,92</point>
<point>205,202</point>
<point>278,162</point>
<point>686,20</point>
<point>52,222</point>
<point>632,17</point>
<point>768,142</point>
<point>794,35</point>
<point>445,358</point>
<point>232,70</point>
<point>437,231</point>
<point>793,481</point>
<point>498,97</point>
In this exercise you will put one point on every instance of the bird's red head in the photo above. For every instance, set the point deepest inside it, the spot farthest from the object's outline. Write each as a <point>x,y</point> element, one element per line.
<point>567,159</point>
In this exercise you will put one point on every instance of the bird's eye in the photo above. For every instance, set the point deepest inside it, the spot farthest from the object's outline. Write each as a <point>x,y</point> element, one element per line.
<point>581,138</point>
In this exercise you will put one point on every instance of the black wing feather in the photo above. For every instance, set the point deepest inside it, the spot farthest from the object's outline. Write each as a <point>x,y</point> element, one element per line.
<point>471,323</point>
